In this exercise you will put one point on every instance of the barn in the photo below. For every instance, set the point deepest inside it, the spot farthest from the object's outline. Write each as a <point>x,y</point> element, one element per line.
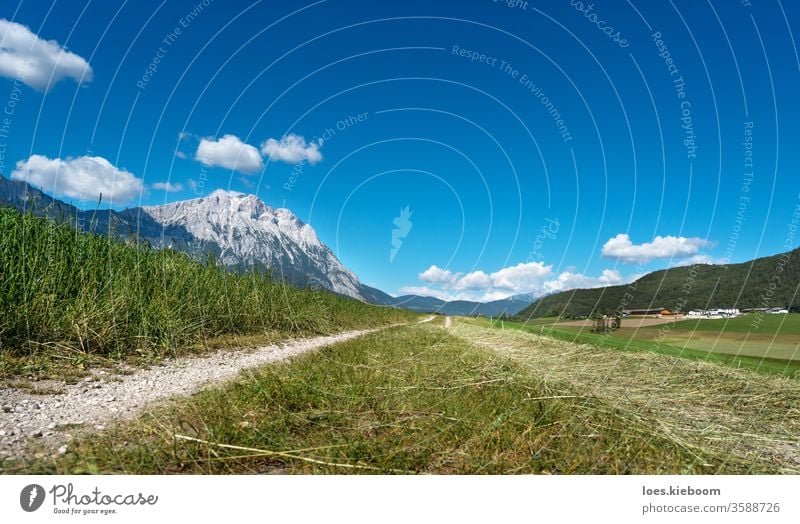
<point>646,312</point>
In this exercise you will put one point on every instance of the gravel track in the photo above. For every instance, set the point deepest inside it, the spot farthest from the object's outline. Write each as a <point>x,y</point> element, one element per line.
<point>51,420</point>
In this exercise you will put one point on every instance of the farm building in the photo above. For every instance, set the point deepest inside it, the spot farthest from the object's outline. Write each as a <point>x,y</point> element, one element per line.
<point>723,312</point>
<point>767,310</point>
<point>642,312</point>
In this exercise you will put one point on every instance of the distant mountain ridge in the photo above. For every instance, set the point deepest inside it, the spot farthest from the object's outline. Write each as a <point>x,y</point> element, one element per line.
<point>508,306</point>
<point>242,231</point>
<point>247,232</point>
<point>699,286</point>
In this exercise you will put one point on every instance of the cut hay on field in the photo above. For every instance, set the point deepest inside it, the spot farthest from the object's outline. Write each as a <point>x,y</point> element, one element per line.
<point>723,414</point>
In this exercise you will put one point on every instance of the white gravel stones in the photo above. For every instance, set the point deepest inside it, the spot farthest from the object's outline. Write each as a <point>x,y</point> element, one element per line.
<point>106,400</point>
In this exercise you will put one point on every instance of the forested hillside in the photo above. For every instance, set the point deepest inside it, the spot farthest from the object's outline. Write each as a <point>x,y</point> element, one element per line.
<point>763,282</point>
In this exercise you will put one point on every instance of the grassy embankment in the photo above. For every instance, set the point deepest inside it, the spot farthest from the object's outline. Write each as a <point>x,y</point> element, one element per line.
<point>70,300</point>
<point>405,400</point>
<point>771,347</point>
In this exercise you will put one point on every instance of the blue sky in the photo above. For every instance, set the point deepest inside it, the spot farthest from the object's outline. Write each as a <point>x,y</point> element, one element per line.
<point>537,145</point>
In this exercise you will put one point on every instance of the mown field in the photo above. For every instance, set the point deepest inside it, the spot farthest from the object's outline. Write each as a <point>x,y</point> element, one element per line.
<point>725,413</point>
<point>470,400</point>
<point>769,343</point>
<point>71,300</point>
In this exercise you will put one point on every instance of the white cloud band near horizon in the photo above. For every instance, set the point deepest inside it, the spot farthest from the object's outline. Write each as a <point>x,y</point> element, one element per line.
<point>534,278</point>
<point>39,63</point>
<point>85,178</point>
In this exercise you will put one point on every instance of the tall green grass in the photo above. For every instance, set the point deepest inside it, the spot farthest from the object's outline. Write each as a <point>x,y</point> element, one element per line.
<point>61,289</point>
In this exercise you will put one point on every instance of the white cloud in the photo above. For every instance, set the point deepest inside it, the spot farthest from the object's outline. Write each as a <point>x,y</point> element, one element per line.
<point>476,280</point>
<point>36,62</point>
<point>611,277</point>
<point>437,275</point>
<point>568,280</point>
<point>514,279</point>
<point>520,278</point>
<point>84,178</point>
<point>231,153</point>
<point>169,187</point>
<point>291,149</point>
<point>621,248</point>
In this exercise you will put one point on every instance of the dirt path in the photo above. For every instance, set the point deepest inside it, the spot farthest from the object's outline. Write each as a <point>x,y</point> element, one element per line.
<point>448,322</point>
<point>716,411</point>
<point>52,419</point>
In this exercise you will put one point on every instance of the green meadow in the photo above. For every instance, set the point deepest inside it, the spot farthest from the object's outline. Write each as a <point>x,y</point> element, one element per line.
<point>768,343</point>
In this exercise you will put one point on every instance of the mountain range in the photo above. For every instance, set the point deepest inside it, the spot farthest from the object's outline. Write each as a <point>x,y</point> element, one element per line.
<point>505,306</point>
<point>242,232</point>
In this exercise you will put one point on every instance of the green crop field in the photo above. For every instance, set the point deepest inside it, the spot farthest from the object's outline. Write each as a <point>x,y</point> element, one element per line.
<point>773,347</point>
<point>754,323</point>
